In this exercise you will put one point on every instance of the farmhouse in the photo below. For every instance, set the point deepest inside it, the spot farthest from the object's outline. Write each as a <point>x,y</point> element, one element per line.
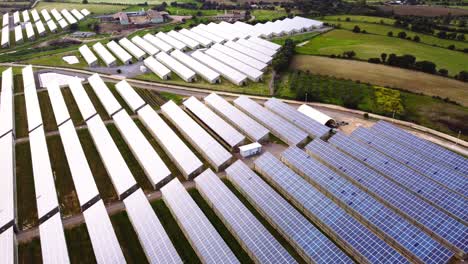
<point>231,17</point>
<point>136,18</point>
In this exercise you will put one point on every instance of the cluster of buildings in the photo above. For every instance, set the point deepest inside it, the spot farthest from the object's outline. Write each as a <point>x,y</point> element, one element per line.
<point>236,51</point>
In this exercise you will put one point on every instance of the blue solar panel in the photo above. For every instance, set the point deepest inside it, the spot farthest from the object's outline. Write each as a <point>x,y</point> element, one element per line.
<point>314,246</point>
<point>392,225</point>
<point>448,158</point>
<point>424,213</point>
<point>416,182</point>
<point>409,157</point>
<point>344,226</point>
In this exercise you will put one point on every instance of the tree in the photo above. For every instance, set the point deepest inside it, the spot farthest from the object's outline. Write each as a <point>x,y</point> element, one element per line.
<point>451,47</point>
<point>461,37</point>
<point>383,56</point>
<point>442,34</point>
<point>443,72</point>
<point>356,29</point>
<point>349,54</point>
<point>462,76</point>
<point>402,34</point>
<point>390,34</point>
<point>416,38</point>
<point>374,60</point>
<point>84,1</point>
<point>425,66</point>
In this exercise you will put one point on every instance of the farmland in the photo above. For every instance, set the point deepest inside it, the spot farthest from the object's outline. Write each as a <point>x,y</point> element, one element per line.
<point>416,82</point>
<point>380,29</point>
<point>430,11</point>
<point>369,46</point>
<point>94,8</point>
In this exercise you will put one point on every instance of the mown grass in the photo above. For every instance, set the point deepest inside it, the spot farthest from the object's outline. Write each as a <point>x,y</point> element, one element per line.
<point>128,239</point>
<point>379,29</point>
<point>372,46</point>
<point>80,249</point>
<point>220,227</point>
<point>177,237</point>
<point>178,11</point>
<point>416,82</point>
<point>420,109</point>
<point>268,14</point>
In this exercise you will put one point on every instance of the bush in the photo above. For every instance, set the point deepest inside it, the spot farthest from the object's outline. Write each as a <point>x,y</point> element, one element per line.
<point>402,34</point>
<point>425,66</point>
<point>357,29</point>
<point>416,38</point>
<point>443,72</point>
<point>374,60</point>
<point>390,34</point>
<point>451,47</point>
<point>462,76</point>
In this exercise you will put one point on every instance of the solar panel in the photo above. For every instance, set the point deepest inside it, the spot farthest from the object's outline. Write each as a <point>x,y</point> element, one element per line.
<point>411,158</point>
<point>179,153</point>
<point>249,232</point>
<point>281,128</point>
<point>415,244</point>
<point>214,153</point>
<point>6,103</point>
<point>207,243</point>
<point>101,233</point>
<point>243,122</point>
<point>130,96</point>
<point>410,179</point>
<point>155,242</point>
<point>429,149</point>
<point>312,127</point>
<point>311,244</point>
<point>434,221</point>
<point>8,245</point>
<point>349,233</point>
<point>224,130</point>
<point>53,244</point>
<point>155,169</point>
<point>83,102</point>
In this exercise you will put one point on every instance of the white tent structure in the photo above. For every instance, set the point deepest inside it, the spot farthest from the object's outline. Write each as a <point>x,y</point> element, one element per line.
<point>316,115</point>
<point>181,70</point>
<point>143,44</point>
<point>226,71</point>
<point>157,68</point>
<point>205,72</point>
<point>5,37</point>
<point>52,26</point>
<point>205,42</point>
<point>171,41</point>
<point>191,43</point>
<point>45,14</point>
<point>118,51</point>
<point>158,43</point>
<point>252,73</point>
<point>104,54</point>
<point>19,35</point>
<point>88,56</point>
<point>30,31</point>
<point>132,48</point>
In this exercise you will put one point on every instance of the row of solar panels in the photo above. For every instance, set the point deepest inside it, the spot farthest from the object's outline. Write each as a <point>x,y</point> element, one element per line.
<point>122,179</point>
<point>64,19</point>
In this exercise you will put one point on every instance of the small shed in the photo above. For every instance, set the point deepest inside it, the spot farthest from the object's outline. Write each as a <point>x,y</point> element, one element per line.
<point>250,149</point>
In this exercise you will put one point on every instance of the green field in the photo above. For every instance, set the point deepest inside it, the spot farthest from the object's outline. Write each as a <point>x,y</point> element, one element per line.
<point>124,2</point>
<point>191,12</point>
<point>298,39</point>
<point>268,14</point>
<point>369,46</point>
<point>379,29</point>
<point>424,110</point>
<point>354,18</point>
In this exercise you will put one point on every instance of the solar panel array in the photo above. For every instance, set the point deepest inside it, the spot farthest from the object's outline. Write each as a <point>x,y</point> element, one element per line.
<point>208,244</point>
<point>7,163</point>
<point>145,222</point>
<point>412,158</point>
<point>312,127</point>
<point>281,128</point>
<point>260,244</point>
<point>103,239</point>
<point>149,160</point>
<point>390,226</point>
<point>220,127</point>
<point>349,233</point>
<point>243,122</point>
<point>423,214</point>
<point>429,149</point>
<point>410,179</point>
<point>187,162</point>
<point>214,153</point>
<point>53,244</point>
<point>306,238</point>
